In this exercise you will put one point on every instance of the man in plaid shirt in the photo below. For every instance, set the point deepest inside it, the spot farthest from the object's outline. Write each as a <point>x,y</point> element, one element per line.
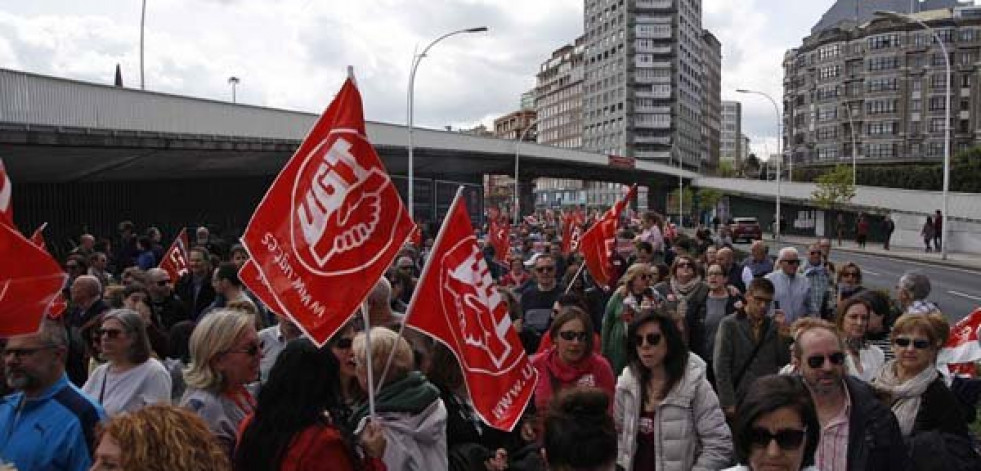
<point>820,278</point>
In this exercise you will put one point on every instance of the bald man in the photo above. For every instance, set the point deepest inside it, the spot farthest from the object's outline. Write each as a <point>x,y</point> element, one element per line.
<point>86,306</point>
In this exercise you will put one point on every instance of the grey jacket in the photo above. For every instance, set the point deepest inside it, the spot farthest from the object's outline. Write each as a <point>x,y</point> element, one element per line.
<point>734,345</point>
<point>690,428</point>
<point>414,442</point>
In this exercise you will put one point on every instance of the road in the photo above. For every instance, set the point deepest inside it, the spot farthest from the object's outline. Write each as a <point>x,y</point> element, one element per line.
<point>957,291</point>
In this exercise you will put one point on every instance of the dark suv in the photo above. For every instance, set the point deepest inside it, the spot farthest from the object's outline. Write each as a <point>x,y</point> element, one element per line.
<point>745,228</point>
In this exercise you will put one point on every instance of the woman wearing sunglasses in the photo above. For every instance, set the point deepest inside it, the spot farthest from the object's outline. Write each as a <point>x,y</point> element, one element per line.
<point>130,379</point>
<point>686,293</point>
<point>848,282</point>
<point>341,346</point>
<point>666,411</point>
<point>776,426</point>
<point>930,416</point>
<point>863,360</point>
<point>571,361</point>
<point>225,357</point>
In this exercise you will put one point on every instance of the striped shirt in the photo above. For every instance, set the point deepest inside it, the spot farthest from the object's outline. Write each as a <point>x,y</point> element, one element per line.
<point>832,451</point>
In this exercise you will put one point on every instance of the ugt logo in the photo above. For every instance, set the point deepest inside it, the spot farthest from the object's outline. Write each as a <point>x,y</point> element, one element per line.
<point>477,314</point>
<point>340,197</point>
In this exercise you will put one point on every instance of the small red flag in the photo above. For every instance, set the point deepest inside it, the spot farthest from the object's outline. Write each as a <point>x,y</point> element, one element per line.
<point>175,259</point>
<point>499,237</point>
<point>37,238</point>
<point>6,189</point>
<point>963,347</point>
<point>330,224</point>
<point>27,287</point>
<point>600,241</point>
<point>416,238</point>
<point>457,303</point>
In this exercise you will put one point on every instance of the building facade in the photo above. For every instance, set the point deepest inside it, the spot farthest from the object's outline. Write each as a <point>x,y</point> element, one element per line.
<point>558,97</point>
<point>744,149</point>
<point>732,132</point>
<point>516,125</point>
<point>876,91</point>
<point>711,102</point>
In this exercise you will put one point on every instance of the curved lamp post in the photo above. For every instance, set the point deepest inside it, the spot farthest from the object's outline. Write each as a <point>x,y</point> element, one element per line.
<point>776,110</point>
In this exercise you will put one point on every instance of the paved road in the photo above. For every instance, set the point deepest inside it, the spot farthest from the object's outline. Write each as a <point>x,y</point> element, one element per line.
<point>957,291</point>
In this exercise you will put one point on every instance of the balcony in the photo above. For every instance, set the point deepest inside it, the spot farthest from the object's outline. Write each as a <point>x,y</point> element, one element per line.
<point>655,4</point>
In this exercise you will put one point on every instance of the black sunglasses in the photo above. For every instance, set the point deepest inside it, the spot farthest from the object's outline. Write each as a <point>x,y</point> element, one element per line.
<point>792,262</point>
<point>787,439</point>
<point>344,343</point>
<point>651,339</point>
<point>251,351</point>
<point>817,361</point>
<point>570,335</point>
<point>919,344</point>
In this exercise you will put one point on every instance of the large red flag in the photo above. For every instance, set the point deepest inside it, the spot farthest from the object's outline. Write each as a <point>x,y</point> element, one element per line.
<point>499,237</point>
<point>457,303</point>
<point>175,259</point>
<point>330,224</point>
<point>6,189</point>
<point>600,241</point>
<point>28,286</point>
<point>252,279</point>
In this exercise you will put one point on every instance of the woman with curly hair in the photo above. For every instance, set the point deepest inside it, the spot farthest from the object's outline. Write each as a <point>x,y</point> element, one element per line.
<point>158,438</point>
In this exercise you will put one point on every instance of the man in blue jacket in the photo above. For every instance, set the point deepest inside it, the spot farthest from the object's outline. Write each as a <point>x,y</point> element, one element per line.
<point>48,424</point>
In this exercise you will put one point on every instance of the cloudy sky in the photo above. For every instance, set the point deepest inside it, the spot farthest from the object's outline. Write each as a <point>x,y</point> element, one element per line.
<point>293,53</point>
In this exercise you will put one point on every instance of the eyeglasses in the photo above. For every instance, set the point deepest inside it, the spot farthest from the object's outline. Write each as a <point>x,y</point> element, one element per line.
<point>849,274</point>
<point>251,351</point>
<point>791,262</point>
<point>759,300</point>
<point>545,269</point>
<point>816,252</point>
<point>685,265</point>
<point>24,352</point>
<point>570,335</point>
<point>787,439</point>
<point>919,344</point>
<point>817,361</point>
<point>652,339</point>
<point>344,343</point>
<point>111,333</point>
<point>715,273</point>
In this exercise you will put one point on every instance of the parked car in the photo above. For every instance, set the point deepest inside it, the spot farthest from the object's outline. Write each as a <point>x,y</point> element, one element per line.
<point>745,228</point>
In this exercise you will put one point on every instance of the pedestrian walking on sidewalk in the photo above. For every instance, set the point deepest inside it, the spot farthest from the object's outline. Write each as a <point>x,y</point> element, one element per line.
<point>938,230</point>
<point>888,227</point>
<point>928,232</point>
<point>840,227</point>
<point>861,230</point>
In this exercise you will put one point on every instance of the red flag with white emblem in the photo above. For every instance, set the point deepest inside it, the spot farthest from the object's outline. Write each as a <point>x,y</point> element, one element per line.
<point>252,279</point>
<point>499,237</point>
<point>6,189</point>
<point>457,303</point>
<point>600,241</point>
<point>963,347</point>
<point>330,224</point>
<point>28,287</point>
<point>175,259</point>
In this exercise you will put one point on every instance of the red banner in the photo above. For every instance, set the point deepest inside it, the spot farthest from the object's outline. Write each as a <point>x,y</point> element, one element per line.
<point>457,303</point>
<point>330,224</point>
<point>175,259</point>
<point>601,240</point>
<point>963,347</point>
<point>572,231</point>
<point>28,287</point>
<point>6,189</point>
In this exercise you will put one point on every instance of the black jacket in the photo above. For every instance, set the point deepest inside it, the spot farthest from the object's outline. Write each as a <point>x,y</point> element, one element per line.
<point>185,291</point>
<point>940,439</point>
<point>695,313</point>
<point>874,439</point>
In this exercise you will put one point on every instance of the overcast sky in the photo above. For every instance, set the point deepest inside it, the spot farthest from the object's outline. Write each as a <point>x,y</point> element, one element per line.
<point>293,53</point>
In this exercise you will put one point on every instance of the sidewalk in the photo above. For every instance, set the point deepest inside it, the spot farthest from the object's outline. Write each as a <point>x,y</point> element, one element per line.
<point>957,260</point>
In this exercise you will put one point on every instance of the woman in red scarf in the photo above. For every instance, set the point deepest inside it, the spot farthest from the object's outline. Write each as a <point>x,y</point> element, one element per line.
<point>571,362</point>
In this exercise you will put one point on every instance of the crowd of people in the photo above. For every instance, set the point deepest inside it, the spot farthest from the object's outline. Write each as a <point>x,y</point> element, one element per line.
<point>687,359</point>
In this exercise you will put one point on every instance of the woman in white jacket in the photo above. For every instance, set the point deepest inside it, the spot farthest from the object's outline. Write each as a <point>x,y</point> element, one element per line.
<point>667,415</point>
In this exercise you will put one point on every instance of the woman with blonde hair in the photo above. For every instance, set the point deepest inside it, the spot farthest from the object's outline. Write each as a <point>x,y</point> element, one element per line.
<point>225,357</point>
<point>633,297</point>
<point>158,438</point>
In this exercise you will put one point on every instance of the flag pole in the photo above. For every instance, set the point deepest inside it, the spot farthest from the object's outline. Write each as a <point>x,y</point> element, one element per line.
<point>574,278</point>
<point>367,351</point>
<point>425,269</point>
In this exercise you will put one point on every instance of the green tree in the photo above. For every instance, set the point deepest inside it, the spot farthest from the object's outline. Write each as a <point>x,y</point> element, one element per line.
<point>708,198</point>
<point>834,188</point>
<point>727,169</point>
<point>686,202</point>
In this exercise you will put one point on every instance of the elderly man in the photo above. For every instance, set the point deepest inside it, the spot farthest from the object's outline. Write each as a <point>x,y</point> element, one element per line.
<point>538,297</point>
<point>48,423</point>
<point>858,432</point>
<point>195,288</point>
<point>791,292</point>
<point>912,291</point>
<point>758,264</point>
<point>167,307</point>
<point>733,272</point>
<point>99,268</point>
<point>86,307</point>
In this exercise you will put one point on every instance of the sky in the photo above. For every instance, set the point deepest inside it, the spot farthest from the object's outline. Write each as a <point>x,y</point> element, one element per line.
<point>293,54</point>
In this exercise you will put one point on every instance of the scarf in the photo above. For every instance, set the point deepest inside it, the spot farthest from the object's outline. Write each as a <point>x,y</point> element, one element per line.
<point>684,289</point>
<point>905,396</point>
<point>411,394</point>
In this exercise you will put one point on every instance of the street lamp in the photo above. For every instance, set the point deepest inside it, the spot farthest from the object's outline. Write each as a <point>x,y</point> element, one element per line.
<point>851,126</point>
<point>776,110</point>
<point>233,80</point>
<point>517,196</point>
<point>409,108</point>
<point>913,20</point>
<point>142,24</point>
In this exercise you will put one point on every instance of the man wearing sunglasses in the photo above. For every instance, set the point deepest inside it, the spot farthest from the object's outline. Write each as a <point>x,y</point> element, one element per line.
<point>537,299</point>
<point>858,432</point>
<point>792,293</point>
<point>164,302</point>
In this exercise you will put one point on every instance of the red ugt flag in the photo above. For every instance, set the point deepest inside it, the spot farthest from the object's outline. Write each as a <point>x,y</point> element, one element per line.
<point>6,189</point>
<point>499,236</point>
<point>572,231</point>
<point>457,303</point>
<point>600,241</point>
<point>28,287</point>
<point>330,224</point>
<point>252,279</point>
<point>963,348</point>
<point>175,259</point>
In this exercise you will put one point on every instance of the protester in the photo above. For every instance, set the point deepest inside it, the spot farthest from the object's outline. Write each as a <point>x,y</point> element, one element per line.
<point>749,344</point>
<point>857,431</point>
<point>634,285</point>
<point>666,413</point>
<point>572,361</point>
<point>229,288</point>
<point>819,280</point>
<point>401,284</point>
<point>99,267</point>
<point>132,275</point>
<point>225,357</point>
<point>48,423</point>
<point>861,230</point>
<point>273,340</point>
<point>758,264</point>
<point>297,423</point>
<point>130,379</point>
<point>179,358</point>
<point>166,306</point>
<point>538,297</point>
<point>86,307</point>
<point>862,359</point>
<point>579,432</point>
<point>888,227</point>
<point>719,303</point>
<point>912,291</point>
<point>848,281</point>
<point>194,288</point>
<point>733,272</point>
<point>158,438</point>
<point>238,255</point>
<point>792,293</point>
<point>684,294</point>
<point>409,410</point>
<point>137,299</point>
<point>938,229</point>
<point>652,226</point>
<point>929,415</point>
<point>881,317</point>
<point>776,426</point>
<point>516,275</point>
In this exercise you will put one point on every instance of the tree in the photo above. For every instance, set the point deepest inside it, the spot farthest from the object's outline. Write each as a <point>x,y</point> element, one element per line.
<point>727,169</point>
<point>687,202</point>
<point>834,188</point>
<point>751,167</point>
<point>708,198</point>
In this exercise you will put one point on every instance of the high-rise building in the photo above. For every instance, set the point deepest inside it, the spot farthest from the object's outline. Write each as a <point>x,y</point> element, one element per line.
<point>882,85</point>
<point>642,89</point>
<point>711,101</point>
<point>558,93</point>
<point>732,132</point>
<point>744,149</point>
